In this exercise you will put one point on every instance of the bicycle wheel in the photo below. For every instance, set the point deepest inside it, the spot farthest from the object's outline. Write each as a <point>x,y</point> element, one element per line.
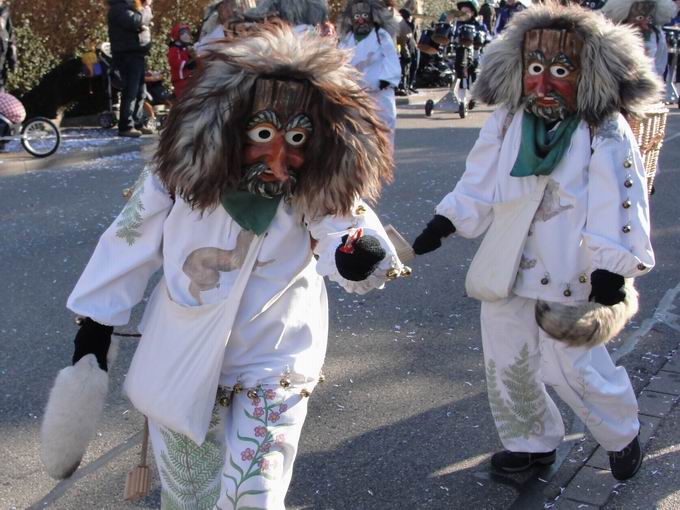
<point>40,137</point>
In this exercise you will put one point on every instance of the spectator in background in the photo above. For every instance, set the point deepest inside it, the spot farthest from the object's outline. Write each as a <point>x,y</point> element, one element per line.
<point>506,12</point>
<point>409,55</point>
<point>8,49</point>
<point>180,57</point>
<point>130,36</point>
<point>488,13</point>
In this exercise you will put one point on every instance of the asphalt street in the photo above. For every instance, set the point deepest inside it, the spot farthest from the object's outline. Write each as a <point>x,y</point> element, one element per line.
<point>402,421</point>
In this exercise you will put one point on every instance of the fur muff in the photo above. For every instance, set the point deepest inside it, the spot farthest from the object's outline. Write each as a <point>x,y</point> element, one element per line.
<point>200,148</point>
<point>588,324</point>
<point>616,74</point>
<point>383,16</point>
<point>295,12</point>
<point>617,10</point>
<point>73,411</point>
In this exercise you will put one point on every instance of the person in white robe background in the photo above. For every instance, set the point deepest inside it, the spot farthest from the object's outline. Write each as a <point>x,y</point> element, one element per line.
<point>364,31</point>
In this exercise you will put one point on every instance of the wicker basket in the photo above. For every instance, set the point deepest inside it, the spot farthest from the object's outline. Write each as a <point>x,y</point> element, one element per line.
<point>649,133</point>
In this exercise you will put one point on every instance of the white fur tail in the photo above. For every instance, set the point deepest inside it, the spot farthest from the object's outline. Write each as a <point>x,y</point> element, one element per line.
<point>587,324</point>
<point>73,410</point>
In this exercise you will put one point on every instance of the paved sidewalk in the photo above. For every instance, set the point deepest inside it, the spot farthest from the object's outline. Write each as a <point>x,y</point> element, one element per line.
<point>77,145</point>
<point>657,485</point>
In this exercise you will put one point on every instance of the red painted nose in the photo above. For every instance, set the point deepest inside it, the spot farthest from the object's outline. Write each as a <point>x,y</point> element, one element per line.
<point>277,161</point>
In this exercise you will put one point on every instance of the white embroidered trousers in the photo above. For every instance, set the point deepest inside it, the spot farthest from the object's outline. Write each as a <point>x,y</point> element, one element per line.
<point>521,359</point>
<point>246,460</point>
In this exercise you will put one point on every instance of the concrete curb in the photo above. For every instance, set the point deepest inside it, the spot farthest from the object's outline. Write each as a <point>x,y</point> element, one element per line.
<point>23,165</point>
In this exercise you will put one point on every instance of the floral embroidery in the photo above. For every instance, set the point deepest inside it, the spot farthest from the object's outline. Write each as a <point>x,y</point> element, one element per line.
<point>521,415</point>
<point>131,218</point>
<point>267,413</point>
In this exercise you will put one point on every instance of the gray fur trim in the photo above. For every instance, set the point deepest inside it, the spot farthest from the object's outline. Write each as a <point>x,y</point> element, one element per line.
<point>588,324</point>
<point>617,10</point>
<point>616,74</point>
<point>295,12</point>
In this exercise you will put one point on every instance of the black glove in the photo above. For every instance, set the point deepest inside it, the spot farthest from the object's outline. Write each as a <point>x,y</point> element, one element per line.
<point>93,338</point>
<point>431,238</point>
<point>364,258</point>
<point>607,288</point>
<point>384,84</point>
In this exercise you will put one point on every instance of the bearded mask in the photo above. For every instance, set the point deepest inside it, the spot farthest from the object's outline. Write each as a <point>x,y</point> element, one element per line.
<point>641,16</point>
<point>552,60</point>
<point>277,135</point>
<point>362,19</point>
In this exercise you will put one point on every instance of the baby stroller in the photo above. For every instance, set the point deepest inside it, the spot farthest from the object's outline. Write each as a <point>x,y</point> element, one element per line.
<point>39,136</point>
<point>155,104</point>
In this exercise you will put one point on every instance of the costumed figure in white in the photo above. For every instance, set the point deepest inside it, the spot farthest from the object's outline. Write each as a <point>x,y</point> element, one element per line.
<point>374,54</point>
<point>220,19</point>
<point>256,189</point>
<point>557,182</point>
<point>647,16</point>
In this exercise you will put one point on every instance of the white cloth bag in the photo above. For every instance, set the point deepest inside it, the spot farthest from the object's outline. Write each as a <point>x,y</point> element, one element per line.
<point>494,268</point>
<point>175,370</point>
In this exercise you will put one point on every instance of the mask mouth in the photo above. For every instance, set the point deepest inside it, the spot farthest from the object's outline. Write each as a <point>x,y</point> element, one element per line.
<point>550,107</point>
<point>253,183</point>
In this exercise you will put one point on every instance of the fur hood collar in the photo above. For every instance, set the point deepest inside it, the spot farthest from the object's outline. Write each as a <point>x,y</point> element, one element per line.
<point>200,147</point>
<point>616,75</point>
<point>617,10</point>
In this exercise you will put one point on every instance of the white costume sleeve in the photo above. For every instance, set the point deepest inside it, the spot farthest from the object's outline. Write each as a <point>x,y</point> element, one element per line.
<point>391,69</point>
<point>617,225</point>
<point>328,232</point>
<point>469,205</point>
<point>127,254</point>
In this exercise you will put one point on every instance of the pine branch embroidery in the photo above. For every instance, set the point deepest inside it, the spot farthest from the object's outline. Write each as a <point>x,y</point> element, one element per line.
<point>131,218</point>
<point>522,415</point>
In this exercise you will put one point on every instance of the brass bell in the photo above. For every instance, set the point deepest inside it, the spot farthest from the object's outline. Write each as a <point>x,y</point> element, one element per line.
<point>393,273</point>
<point>305,393</point>
<point>583,278</point>
<point>628,183</point>
<point>322,377</point>
<point>626,204</point>
<point>238,388</point>
<point>406,271</point>
<point>360,210</point>
<point>252,394</point>
<point>567,293</point>
<point>627,163</point>
<point>224,401</point>
<point>641,267</point>
<point>79,321</point>
<point>545,280</point>
<point>626,229</point>
<point>285,382</point>
<point>127,193</point>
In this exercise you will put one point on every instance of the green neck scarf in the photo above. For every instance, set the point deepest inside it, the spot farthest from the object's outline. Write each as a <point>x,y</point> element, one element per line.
<point>250,211</point>
<point>539,153</point>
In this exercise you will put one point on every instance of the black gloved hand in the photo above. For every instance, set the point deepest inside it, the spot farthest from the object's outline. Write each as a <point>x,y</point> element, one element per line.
<point>607,288</point>
<point>93,338</point>
<point>431,238</point>
<point>359,264</point>
<point>384,84</point>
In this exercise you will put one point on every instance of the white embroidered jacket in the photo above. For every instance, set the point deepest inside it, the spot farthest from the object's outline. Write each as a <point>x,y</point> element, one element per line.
<point>594,214</point>
<point>282,321</point>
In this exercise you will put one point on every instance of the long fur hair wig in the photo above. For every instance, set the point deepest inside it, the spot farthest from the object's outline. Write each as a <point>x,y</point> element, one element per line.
<point>617,10</point>
<point>200,149</point>
<point>616,75</point>
<point>381,10</point>
<point>295,12</point>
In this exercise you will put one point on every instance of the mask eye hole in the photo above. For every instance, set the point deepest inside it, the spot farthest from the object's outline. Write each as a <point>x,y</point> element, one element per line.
<point>365,15</point>
<point>535,69</point>
<point>296,137</point>
<point>261,134</point>
<point>559,71</point>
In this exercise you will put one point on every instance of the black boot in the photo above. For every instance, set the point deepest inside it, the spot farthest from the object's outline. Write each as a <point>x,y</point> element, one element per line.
<point>513,462</point>
<point>627,462</point>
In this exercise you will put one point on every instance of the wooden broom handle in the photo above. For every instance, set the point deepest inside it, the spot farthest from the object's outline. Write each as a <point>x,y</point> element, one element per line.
<point>145,441</point>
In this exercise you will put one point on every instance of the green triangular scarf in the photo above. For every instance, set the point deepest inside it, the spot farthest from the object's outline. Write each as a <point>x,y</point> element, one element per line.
<point>251,212</point>
<point>540,152</point>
